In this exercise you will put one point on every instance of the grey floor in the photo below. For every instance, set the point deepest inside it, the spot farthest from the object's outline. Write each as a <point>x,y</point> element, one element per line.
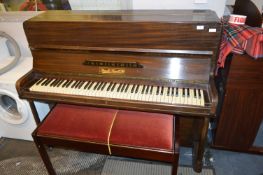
<point>224,162</point>
<point>227,162</point>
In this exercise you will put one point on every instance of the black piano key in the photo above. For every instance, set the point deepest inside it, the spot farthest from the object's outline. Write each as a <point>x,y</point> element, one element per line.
<point>168,91</point>
<point>194,93</point>
<point>47,82</point>
<point>77,85</point>
<point>51,82</point>
<point>172,94</point>
<point>87,84</point>
<point>100,85</point>
<point>103,86</point>
<point>143,89</point>
<point>90,85</point>
<point>177,92</point>
<point>137,88</point>
<point>119,87</point>
<point>65,83</point>
<point>158,90</point>
<point>199,93</point>
<point>80,84</point>
<point>96,85</point>
<point>183,92</point>
<point>147,89</point>
<point>123,87</point>
<point>73,84</point>
<point>162,90</point>
<point>113,87</point>
<point>60,82</point>
<point>151,90</point>
<point>42,84</point>
<point>55,83</point>
<point>109,87</point>
<point>133,87</point>
<point>69,83</point>
<point>188,92</point>
<point>127,87</point>
<point>39,81</point>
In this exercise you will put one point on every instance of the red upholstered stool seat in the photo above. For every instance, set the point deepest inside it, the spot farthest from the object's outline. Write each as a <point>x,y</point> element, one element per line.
<point>141,129</point>
<point>133,134</point>
<point>78,122</point>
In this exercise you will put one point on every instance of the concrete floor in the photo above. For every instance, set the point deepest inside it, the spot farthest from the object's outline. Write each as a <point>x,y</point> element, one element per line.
<point>227,162</point>
<point>224,162</point>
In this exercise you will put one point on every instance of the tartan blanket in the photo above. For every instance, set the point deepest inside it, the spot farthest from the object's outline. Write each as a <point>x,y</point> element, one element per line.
<point>240,39</point>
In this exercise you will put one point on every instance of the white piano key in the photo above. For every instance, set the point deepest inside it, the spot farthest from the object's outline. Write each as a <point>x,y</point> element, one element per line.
<point>191,100</point>
<point>104,92</point>
<point>128,96</point>
<point>198,99</point>
<point>139,93</point>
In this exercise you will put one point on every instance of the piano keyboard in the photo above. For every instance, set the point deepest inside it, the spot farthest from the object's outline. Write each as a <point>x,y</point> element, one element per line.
<point>125,91</point>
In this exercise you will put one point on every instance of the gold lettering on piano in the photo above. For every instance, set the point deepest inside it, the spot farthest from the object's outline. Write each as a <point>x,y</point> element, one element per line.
<point>107,70</point>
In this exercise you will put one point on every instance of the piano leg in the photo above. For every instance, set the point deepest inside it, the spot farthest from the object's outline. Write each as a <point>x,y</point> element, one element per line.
<point>199,141</point>
<point>34,111</point>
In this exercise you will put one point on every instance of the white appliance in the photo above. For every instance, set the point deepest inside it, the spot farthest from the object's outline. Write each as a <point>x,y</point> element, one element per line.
<point>16,119</point>
<point>12,24</point>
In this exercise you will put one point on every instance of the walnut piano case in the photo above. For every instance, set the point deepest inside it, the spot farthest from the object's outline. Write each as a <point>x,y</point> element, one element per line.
<point>159,61</point>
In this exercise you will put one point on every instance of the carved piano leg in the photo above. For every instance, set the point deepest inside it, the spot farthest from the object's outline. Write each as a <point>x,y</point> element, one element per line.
<point>34,111</point>
<point>199,140</point>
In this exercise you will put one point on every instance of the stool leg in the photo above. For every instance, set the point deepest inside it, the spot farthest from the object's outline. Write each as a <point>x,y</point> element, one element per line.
<point>174,167</point>
<point>43,153</point>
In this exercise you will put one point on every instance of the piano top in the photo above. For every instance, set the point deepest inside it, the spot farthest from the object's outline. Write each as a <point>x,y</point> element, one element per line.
<point>172,16</point>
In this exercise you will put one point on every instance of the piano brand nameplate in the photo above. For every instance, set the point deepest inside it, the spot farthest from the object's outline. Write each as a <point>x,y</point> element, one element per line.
<point>106,70</point>
<point>112,64</point>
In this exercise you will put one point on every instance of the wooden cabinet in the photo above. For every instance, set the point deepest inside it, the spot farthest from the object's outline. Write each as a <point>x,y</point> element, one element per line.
<point>242,108</point>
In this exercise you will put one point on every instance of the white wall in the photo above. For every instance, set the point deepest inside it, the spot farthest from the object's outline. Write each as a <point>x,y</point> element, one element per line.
<point>217,5</point>
<point>100,4</point>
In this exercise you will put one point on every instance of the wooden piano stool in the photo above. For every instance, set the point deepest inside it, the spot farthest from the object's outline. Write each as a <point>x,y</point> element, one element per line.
<point>141,135</point>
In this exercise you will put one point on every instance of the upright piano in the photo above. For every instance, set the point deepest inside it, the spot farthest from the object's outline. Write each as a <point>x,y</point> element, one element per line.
<point>144,60</point>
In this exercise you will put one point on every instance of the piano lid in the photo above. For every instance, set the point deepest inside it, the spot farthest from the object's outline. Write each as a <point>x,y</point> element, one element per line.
<point>155,30</point>
<point>173,16</point>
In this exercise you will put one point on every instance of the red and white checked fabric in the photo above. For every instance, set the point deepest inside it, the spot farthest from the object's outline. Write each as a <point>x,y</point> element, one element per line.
<point>240,39</point>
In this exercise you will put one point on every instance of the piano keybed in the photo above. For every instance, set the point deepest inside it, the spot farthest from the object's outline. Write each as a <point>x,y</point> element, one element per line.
<point>124,91</point>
